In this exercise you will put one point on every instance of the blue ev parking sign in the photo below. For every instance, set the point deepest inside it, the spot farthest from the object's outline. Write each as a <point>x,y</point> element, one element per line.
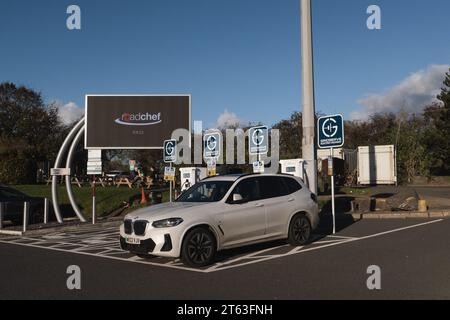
<point>330,132</point>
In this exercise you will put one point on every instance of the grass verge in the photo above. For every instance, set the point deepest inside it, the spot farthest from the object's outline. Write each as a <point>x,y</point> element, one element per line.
<point>108,199</point>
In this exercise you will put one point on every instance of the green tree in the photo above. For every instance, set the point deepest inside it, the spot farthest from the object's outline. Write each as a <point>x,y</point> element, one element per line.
<point>445,94</point>
<point>437,118</point>
<point>29,132</point>
<point>412,154</point>
<point>291,135</point>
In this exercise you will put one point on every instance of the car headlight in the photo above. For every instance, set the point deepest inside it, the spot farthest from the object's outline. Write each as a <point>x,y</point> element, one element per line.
<point>167,223</point>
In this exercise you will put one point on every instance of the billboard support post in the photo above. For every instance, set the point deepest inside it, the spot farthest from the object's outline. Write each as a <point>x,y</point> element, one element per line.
<point>94,209</point>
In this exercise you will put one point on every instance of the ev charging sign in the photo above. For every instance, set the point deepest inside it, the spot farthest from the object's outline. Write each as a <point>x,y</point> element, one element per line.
<point>170,151</point>
<point>258,140</point>
<point>212,145</point>
<point>331,132</point>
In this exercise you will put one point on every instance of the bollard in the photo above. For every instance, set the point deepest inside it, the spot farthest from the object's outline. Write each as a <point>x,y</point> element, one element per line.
<point>46,203</point>
<point>1,214</point>
<point>26,213</point>
<point>423,207</point>
<point>94,211</point>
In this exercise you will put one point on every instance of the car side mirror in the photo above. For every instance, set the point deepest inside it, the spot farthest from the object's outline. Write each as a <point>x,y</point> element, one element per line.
<point>238,199</point>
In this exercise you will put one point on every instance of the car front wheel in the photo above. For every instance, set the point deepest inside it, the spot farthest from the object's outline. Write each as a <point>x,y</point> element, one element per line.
<point>199,248</point>
<point>299,230</point>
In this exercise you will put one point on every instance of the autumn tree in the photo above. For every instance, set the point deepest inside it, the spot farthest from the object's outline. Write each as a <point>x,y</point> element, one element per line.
<point>29,132</point>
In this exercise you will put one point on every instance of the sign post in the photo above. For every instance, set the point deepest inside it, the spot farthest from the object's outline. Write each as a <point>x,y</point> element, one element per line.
<point>258,138</point>
<point>169,175</point>
<point>212,150</point>
<point>94,204</point>
<point>170,156</point>
<point>94,168</point>
<point>211,167</point>
<point>330,136</point>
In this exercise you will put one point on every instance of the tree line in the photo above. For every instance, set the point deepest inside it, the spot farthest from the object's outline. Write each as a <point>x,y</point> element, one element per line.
<point>31,132</point>
<point>422,139</point>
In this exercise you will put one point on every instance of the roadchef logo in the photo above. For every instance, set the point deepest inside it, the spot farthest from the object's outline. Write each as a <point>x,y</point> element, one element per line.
<point>139,119</point>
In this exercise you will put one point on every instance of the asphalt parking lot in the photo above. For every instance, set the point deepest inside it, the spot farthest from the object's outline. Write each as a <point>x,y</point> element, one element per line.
<point>412,254</point>
<point>437,197</point>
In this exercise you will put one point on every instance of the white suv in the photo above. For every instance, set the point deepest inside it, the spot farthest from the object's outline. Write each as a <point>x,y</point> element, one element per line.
<point>221,213</point>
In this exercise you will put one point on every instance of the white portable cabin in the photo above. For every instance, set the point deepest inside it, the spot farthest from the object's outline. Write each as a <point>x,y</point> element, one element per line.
<point>349,156</point>
<point>190,176</point>
<point>377,165</point>
<point>294,167</point>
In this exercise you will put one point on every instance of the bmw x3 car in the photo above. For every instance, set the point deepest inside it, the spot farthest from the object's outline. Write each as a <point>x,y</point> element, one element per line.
<point>222,213</point>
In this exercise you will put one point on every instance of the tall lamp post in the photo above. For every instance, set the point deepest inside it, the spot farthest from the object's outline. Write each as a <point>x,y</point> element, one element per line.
<point>309,132</point>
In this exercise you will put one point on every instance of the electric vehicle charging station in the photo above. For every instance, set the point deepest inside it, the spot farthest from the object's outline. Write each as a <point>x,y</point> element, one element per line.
<point>190,176</point>
<point>294,167</point>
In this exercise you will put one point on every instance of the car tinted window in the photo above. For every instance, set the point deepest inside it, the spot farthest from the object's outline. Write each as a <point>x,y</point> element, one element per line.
<point>292,184</point>
<point>272,187</point>
<point>209,191</point>
<point>248,189</point>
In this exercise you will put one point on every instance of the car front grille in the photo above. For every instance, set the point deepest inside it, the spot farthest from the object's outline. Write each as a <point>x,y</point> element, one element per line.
<point>128,226</point>
<point>139,227</point>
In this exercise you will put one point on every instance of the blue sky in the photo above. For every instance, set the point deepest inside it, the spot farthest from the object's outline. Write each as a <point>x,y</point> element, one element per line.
<point>237,55</point>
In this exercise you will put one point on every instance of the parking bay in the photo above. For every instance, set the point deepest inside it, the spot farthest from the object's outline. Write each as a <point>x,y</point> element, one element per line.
<point>103,242</point>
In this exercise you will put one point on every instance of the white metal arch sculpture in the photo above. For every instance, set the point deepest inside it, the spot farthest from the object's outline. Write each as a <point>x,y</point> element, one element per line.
<point>72,140</point>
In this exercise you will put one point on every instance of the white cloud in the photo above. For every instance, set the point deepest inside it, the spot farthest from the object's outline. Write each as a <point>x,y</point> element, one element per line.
<point>411,94</point>
<point>70,112</point>
<point>227,119</point>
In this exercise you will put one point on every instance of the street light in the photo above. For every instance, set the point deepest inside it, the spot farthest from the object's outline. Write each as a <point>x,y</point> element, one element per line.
<point>308,114</point>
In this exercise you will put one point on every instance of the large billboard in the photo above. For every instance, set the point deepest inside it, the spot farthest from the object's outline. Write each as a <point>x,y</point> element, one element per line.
<point>134,121</point>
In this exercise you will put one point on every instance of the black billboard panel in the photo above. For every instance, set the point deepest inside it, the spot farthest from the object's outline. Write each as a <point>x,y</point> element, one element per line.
<point>134,121</point>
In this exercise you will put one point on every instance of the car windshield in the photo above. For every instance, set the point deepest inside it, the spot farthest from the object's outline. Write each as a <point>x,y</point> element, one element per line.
<point>208,191</point>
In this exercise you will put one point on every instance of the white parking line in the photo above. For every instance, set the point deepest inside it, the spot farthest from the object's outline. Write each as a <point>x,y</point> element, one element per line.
<point>295,250</point>
<point>104,257</point>
<point>330,241</point>
<point>342,237</point>
<point>330,245</point>
<point>399,229</point>
<point>248,256</point>
<point>255,257</point>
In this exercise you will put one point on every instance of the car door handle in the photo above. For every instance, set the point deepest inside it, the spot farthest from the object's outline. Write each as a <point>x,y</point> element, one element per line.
<point>291,200</point>
<point>259,205</point>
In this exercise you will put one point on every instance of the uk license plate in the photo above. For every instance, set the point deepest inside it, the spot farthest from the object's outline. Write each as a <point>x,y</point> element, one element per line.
<point>132,241</point>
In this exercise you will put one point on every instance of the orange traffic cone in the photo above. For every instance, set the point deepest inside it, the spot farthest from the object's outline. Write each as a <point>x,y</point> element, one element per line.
<point>143,197</point>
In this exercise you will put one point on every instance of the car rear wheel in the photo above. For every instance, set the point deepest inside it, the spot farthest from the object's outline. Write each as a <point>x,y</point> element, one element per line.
<point>299,230</point>
<point>199,248</point>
